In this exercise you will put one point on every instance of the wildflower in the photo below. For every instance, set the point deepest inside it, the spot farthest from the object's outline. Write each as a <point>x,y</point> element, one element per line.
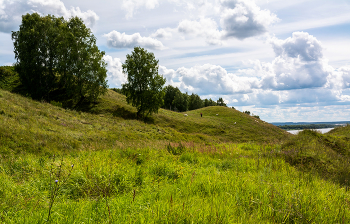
<point>72,165</point>
<point>56,181</point>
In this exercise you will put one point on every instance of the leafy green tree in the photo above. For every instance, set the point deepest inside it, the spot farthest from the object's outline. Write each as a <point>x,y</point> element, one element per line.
<point>53,54</point>
<point>195,102</point>
<point>169,96</point>
<point>210,102</point>
<point>83,68</point>
<point>144,87</point>
<point>181,101</point>
<point>220,102</point>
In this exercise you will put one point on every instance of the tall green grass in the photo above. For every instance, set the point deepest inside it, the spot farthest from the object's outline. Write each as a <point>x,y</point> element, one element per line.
<point>229,183</point>
<point>225,168</point>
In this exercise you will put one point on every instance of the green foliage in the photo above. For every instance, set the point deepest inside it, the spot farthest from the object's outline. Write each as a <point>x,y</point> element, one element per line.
<point>57,104</point>
<point>194,102</point>
<point>58,59</point>
<point>180,101</point>
<point>210,102</point>
<point>9,79</point>
<point>221,102</point>
<point>144,87</point>
<point>120,91</point>
<point>169,96</point>
<point>246,112</point>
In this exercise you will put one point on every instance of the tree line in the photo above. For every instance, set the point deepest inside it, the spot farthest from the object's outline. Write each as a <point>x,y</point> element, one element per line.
<point>58,59</point>
<point>175,100</point>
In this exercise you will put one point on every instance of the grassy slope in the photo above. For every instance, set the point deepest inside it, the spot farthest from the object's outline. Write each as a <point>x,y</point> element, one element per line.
<point>123,172</point>
<point>33,126</point>
<point>326,155</point>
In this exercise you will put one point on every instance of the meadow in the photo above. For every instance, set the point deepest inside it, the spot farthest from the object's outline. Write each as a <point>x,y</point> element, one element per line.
<point>99,164</point>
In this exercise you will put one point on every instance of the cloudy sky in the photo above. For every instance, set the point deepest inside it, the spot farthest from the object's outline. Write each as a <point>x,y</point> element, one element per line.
<point>282,60</point>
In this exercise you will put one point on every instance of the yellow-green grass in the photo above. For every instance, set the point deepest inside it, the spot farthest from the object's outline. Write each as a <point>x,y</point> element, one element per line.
<point>130,171</point>
<point>325,155</point>
<point>227,183</point>
<point>32,126</point>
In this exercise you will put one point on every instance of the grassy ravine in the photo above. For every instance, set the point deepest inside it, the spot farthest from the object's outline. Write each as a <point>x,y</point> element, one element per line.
<point>171,169</point>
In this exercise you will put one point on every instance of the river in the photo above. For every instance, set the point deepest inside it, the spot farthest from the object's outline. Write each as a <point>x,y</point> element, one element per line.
<point>323,130</point>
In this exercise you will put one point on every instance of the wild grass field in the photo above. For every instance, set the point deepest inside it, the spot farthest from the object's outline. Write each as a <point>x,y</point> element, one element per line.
<point>99,164</point>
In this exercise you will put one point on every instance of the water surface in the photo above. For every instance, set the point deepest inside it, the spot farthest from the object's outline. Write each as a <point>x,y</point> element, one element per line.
<point>322,130</point>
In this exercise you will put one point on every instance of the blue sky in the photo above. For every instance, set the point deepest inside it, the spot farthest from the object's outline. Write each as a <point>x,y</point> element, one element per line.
<point>282,60</point>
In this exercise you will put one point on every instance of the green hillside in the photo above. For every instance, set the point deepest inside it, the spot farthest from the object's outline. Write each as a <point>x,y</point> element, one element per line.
<point>28,125</point>
<point>101,165</point>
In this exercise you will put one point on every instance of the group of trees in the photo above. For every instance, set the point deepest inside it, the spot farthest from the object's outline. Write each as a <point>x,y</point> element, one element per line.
<point>59,59</point>
<point>177,101</point>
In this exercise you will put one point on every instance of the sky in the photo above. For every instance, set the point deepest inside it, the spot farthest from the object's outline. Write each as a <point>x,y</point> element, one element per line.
<point>281,60</point>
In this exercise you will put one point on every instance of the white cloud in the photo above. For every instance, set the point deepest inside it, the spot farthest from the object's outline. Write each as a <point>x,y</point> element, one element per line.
<point>115,75</point>
<point>130,6</point>
<point>301,45</point>
<point>345,72</point>
<point>163,33</point>
<point>213,79</point>
<point>205,27</point>
<point>243,18</point>
<point>12,10</point>
<point>239,19</point>
<point>122,40</point>
<point>169,74</point>
<point>299,64</point>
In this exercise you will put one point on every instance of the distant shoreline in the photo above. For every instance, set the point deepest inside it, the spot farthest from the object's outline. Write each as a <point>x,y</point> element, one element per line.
<point>290,126</point>
<point>309,123</point>
<point>322,130</point>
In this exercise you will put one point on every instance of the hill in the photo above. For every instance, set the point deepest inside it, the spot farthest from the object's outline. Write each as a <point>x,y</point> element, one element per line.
<point>27,125</point>
<point>104,166</point>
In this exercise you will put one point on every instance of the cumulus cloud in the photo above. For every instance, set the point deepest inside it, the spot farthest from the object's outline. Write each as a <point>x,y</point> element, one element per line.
<point>299,74</point>
<point>205,27</point>
<point>299,64</point>
<point>169,74</point>
<point>122,40</point>
<point>163,33</point>
<point>243,18</point>
<point>300,45</point>
<point>213,79</point>
<point>115,75</point>
<point>238,19</point>
<point>130,6</point>
<point>12,10</point>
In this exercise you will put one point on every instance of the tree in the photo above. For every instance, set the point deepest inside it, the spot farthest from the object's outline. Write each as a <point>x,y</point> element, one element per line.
<point>83,68</point>
<point>221,102</point>
<point>195,102</point>
<point>54,55</point>
<point>169,96</point>
<point>210,102</point>
<point>181,101</point>
<point>144,87</point>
